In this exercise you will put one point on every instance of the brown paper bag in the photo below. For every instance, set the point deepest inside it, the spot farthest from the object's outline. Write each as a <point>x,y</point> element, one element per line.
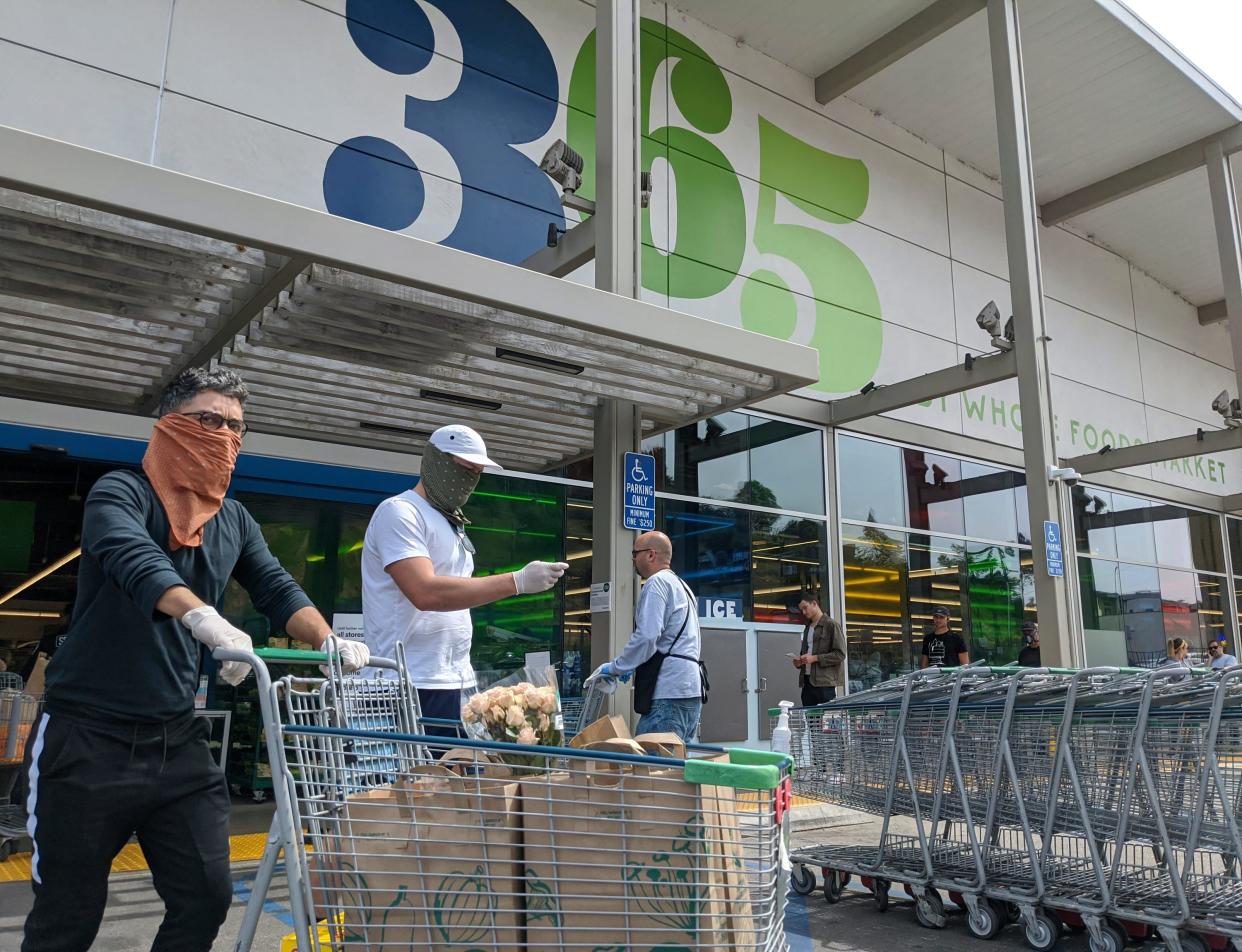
<point>606,728</point>
<point>615,857</point>
<point>433,861</point>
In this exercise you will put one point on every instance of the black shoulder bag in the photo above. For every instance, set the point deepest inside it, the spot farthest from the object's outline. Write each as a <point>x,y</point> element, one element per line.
<point>648,673</point>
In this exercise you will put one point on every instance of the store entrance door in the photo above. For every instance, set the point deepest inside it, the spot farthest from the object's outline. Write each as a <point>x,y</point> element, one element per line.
<point>726,715</point>
<point>777,677</point>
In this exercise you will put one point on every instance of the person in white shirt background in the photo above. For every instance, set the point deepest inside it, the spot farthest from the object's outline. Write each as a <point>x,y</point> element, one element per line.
<point>417,568</point>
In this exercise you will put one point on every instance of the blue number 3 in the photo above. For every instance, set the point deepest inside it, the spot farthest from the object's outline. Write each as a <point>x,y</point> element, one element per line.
<point>507,95</point>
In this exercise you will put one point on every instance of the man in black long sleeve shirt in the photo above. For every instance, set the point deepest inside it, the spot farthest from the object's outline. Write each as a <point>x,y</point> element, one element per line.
<point>118,750</point>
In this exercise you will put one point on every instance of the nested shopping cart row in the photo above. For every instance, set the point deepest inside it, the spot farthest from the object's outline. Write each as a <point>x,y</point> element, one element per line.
<point>1100,799</point>
<point>394,839</point>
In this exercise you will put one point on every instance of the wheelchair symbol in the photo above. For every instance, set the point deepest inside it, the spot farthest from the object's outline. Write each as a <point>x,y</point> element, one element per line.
<point>638,474</point>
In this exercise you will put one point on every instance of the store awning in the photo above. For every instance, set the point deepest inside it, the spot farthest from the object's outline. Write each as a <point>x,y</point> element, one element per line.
<point>115,275</point>
<point>1105,95</point>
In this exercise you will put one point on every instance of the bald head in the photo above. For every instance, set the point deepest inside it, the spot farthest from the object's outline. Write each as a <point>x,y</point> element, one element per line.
<point>653,551</point>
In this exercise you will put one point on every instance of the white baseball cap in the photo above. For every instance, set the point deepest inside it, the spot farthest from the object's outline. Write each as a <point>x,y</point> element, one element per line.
<point>457,440</point>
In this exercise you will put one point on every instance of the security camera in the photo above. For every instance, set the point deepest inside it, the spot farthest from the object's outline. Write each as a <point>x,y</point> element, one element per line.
<point>989,321</point>
<point>1230,410</point>
<point>563,165</point>
<point>1065,475</point>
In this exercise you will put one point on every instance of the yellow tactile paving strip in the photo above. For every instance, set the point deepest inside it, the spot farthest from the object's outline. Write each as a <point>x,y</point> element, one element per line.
<point>245,848</point>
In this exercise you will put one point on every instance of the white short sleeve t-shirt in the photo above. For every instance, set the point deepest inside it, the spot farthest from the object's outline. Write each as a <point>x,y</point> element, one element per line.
<point>437,644</point>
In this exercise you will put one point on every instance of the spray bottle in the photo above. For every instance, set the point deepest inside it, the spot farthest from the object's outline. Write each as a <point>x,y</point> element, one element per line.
<point>781,734</point>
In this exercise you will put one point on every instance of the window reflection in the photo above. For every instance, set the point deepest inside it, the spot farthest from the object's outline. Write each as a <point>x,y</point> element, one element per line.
<point>1132,521</point>
<point>787,558</point>
<point>934,492</point>
<point>1093,521</point>
<point>786,466</point>
<point>871,483</point>
<point>998,602</point>
<point>711,548</point>
<point>876,616</point>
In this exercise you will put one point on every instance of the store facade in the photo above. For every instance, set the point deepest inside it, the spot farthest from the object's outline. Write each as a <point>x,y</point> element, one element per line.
<point>830,226</point>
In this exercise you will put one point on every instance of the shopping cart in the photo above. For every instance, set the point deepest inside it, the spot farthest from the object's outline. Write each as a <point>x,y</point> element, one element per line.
<point>367,702</point>
<point>1212,875</point>
<point>580,712</point>
<point>451,843</point>
<point>18,714</point>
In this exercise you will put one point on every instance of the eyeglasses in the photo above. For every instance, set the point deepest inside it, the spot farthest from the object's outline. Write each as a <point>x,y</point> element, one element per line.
<point>1216,647</point>
<point>635,552</point>
<point>213,421</point>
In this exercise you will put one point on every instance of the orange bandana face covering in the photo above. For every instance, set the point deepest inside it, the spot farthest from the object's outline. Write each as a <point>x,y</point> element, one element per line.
<point>189,469</point>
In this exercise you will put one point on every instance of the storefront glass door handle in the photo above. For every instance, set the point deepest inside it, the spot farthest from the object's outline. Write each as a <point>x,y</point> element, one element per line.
<point>763,686</point>
<point>745,687</point>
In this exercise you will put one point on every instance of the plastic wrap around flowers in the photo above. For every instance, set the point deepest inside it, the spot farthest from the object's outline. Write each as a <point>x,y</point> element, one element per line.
<point>521,713</point>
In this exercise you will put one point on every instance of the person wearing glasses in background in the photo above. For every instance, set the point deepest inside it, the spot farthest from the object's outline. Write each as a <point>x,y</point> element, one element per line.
<point>1217,657</point>
<point>118,750</point>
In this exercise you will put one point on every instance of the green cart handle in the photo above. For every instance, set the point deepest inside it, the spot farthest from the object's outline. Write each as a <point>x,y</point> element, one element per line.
<point>297,656</point>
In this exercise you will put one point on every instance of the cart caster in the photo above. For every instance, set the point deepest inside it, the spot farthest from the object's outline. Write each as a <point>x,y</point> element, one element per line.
<point>986,921</point>
<point>1044,933</point>
<point>879,888</point>
<point>6,850</point>
<point>1193,943</point>
<point>833,885</point>
<point>1111,939</point>
<point>1010,911</point>
<point>929,910</point>
<point>802,881</point>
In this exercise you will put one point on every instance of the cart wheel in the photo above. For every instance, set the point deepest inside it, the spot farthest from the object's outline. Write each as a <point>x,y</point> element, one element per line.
<point>930,910</point>
<point>1111,939</point>
<point>6,850</point>
<point>986,922</point>
<point>1010,911</point>
<point>1044,935</point>
<point>832,886</point>
<point>802,881</point>
<point>879,888</point>
<point>1193,943</point>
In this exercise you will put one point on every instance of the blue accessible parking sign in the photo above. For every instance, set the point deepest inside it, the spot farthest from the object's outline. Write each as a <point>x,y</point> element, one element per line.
<point>638,495</point>
<point>1052,549</point>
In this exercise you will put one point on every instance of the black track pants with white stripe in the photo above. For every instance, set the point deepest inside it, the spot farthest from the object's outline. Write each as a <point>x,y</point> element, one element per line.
<point>92,785</point>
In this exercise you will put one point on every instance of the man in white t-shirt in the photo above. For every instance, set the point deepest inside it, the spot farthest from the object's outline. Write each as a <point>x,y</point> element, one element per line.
<point>417,568</point>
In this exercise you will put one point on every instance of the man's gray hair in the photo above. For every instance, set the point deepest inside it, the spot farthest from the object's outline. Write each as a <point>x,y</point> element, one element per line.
<point>190,383</point>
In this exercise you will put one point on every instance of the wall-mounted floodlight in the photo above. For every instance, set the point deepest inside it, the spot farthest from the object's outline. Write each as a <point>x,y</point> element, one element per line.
<point>563,165</point>
<point>1230,410</point>
<point>989,320</point>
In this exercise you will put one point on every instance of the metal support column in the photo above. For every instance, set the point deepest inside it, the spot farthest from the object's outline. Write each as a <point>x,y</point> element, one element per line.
<point>617,246</point>
<point>1058,628</point>
<point>1228,243</point>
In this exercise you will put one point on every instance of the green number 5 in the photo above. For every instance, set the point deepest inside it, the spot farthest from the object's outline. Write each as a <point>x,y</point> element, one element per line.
<point>845,328</point>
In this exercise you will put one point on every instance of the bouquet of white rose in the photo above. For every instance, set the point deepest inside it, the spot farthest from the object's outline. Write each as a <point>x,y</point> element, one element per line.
<point>517,710</point>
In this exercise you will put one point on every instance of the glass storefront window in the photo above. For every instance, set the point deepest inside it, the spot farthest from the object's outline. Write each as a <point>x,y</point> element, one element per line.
<point>871,483</point>
<point>1132,521</point>
<point>989,495</point>
<point>1093,522</point>
<point>1187,538</point>
<point>711,548</point>
<point>786,466</point>
<point>709,459</point>
<point>934,492</point>
<point>1234,528</point>
<point>997,602</point>
<point>876,611</point>
<point>787,558</point>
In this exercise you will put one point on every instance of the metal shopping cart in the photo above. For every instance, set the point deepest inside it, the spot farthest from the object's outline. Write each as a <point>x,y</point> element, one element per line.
<point>18,714</point>
<point>581,712</point>
<point>446,843</point>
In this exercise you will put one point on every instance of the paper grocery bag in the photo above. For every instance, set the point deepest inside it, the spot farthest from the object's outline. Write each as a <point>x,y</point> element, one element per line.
<point>606,728</point>
<point>433,861</point>
<point>615,859</point>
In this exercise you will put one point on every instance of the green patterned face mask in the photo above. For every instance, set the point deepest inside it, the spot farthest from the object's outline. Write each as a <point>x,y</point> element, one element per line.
<point>447,484</point>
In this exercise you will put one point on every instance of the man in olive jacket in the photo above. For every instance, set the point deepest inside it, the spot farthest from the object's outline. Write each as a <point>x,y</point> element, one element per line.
<point>821,660</point>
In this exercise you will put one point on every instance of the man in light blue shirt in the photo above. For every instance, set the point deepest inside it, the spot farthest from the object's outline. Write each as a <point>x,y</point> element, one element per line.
<point>665,621</point>
<point>1218,658</point>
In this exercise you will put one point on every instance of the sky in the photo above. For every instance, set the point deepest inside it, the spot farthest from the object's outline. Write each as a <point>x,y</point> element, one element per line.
<point>1205,31</point>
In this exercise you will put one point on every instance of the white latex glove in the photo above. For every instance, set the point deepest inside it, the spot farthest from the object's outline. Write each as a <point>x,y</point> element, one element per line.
<point>208,626</point>
<point>354,656</point>
<point>538,576</point>
<point>607,680</point>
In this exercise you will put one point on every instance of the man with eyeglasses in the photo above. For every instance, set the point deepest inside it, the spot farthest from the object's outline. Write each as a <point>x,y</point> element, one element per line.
<point>664,654</point>
<point>118,750</point>
<point>417,574</point>
<point>1217,658</point>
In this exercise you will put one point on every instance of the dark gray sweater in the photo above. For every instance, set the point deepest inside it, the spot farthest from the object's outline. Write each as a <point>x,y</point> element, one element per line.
<point>124,660</point>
